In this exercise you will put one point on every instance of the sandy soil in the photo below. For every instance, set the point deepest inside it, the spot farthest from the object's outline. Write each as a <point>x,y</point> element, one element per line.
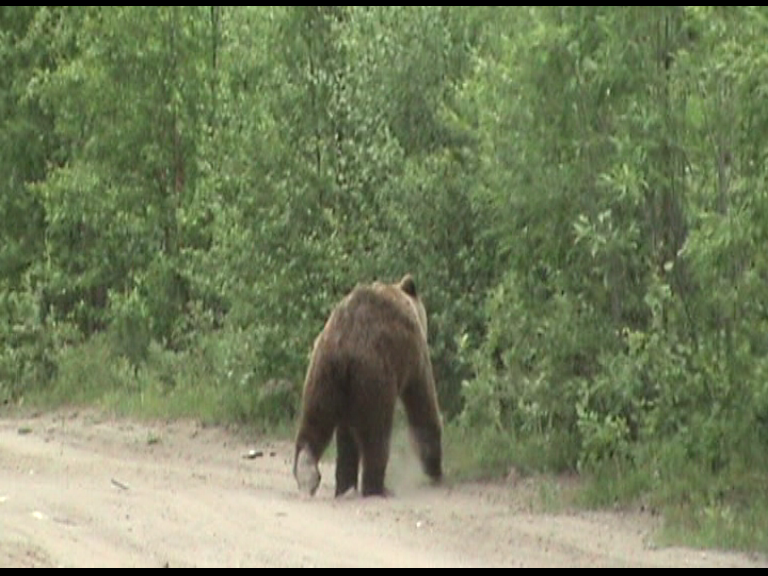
<point>82,490</point>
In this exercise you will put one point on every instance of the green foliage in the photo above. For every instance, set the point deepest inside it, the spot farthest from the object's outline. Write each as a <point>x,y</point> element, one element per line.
<point>215,381</point>
<point>627,207</point>
<point>131,328</point>
<point>27,348</point>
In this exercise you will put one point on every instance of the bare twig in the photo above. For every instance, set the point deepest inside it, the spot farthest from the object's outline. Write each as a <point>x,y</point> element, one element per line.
<point>119,484</point>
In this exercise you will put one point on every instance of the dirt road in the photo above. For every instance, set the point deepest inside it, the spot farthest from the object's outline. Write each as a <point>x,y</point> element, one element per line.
<point>80,490</point>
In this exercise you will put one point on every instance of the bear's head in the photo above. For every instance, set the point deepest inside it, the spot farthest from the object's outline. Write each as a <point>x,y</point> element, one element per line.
<point>407,298</point>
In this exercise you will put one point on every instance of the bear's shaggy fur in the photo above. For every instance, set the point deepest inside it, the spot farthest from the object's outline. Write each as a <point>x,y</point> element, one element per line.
<point>372,350</point>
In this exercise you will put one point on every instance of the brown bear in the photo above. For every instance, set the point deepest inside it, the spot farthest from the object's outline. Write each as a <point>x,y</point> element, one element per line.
<point>372,350</point>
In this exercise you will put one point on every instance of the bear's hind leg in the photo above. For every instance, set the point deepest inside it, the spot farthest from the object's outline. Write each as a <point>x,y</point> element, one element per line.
<point>374,441</point>
<point>347,460</point>
<point>313,438</point>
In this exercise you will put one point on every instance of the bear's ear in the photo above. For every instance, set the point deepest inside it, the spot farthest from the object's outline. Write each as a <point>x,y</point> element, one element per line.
<point>408,286</point>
